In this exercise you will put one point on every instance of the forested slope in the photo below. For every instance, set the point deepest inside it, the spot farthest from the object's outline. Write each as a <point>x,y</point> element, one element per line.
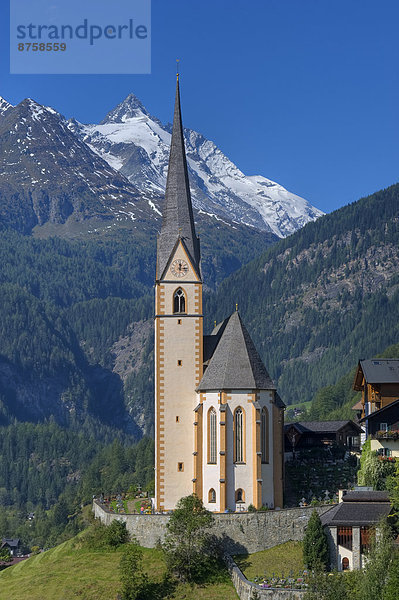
<point>322,298</point>
<point>336,401</point>
<point>65,306</point>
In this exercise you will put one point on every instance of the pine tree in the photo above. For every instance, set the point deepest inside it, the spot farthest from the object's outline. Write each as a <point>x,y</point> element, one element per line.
<point>315,546</point>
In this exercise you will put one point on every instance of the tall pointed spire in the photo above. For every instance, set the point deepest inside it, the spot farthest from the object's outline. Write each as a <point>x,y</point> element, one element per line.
<point>177,216</point>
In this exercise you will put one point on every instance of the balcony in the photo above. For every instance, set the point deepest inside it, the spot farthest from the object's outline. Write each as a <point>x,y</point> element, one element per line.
<point>387,435</point>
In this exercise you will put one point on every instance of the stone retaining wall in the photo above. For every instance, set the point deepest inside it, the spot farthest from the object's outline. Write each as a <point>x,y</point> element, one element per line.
<point>240,533</point>
<point>245,588</point>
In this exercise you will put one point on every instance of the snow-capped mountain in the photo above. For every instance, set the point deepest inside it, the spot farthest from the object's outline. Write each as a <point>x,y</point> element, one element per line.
<point>137,144</point>
<point>48,174</point>
<point>55,170</point>
<point>4,105</point>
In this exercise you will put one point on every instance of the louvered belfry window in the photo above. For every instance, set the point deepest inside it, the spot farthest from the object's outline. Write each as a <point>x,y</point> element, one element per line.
<point>239,435</point>
<point>212,433</point>
<point>179,301</point>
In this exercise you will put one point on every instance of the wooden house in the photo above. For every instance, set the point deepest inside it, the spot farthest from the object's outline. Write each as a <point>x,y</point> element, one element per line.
<point>378,380</point>
<point>383,430</point>
<point>12,544</point>
<point>310,434</point>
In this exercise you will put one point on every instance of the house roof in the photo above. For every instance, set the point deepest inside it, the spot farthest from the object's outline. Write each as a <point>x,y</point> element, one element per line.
<point>359,507</point>
<point>377,370</point>
<point>380,413</point>
<point>366,496</point>
<point>12,542</point>
<point>235,362</point>
<point>321,426</point>
<point>356,513</point>
<point>177,212</point>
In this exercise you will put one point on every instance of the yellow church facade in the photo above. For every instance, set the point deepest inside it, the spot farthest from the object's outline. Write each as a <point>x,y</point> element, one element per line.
<point>218,417</point>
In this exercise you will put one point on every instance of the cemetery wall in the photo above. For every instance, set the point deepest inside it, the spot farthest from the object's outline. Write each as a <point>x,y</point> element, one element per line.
<point>239,532</point>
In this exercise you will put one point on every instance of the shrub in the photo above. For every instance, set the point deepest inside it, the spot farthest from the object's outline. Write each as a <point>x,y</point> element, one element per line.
<point>116,534</point>
<point>133,580</point>
<point>189,547</point>
<point>100,536</point>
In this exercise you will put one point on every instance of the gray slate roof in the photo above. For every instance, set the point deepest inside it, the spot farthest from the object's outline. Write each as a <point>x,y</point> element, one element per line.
<point>235,363</point>
<point>211,341</point>
<point>12,542</point>
<point>359,508</point>
<point>381,370</point>
<point>177,212</point>
<point>366,496</point>
<point>356,513</point>
<point>321,426</point>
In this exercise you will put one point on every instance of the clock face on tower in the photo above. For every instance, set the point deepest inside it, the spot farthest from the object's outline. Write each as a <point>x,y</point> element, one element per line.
<point>179,268</point>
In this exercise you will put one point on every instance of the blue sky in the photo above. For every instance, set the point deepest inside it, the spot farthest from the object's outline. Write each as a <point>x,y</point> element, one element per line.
<point>305,92</point>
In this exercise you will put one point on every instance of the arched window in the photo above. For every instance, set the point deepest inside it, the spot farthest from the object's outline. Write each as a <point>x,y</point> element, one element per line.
<point>240,496</point>
<point>212,436</point>
<point>179,301</point>
<point>345,563</point>
<point>211,495</point>
<point>239,434</point>
<point>264,435</point>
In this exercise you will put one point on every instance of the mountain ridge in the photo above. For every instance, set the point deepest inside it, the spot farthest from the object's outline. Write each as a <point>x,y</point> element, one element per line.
<point>137,143</point>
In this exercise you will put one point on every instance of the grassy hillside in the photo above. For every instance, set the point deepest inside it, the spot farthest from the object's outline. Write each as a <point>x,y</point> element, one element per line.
<point>322,298</point>
<point>278,561</point>
<point>71,571</point>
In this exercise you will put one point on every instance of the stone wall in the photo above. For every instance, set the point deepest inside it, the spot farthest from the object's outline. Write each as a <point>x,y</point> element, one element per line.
<point>241,533</point>
<point>245,588</point>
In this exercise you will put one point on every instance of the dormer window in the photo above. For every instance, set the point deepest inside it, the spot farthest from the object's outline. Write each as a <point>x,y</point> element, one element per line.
<point>179,301</point>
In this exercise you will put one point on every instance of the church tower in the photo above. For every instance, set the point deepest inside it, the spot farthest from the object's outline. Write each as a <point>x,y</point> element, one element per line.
<point>178,331</point>
<point>218,416</point>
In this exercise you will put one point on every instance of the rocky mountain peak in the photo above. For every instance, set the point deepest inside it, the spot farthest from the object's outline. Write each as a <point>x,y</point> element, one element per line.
<point>4,105</point>
<point>137,144</point>
<point>130,107</point>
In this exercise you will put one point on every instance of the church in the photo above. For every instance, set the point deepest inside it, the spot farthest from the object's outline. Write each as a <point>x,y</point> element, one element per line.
<point>218,417</point>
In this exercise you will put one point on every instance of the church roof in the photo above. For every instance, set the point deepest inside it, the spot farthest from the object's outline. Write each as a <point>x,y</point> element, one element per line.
<point>235,362</point>
<point>177,213</point>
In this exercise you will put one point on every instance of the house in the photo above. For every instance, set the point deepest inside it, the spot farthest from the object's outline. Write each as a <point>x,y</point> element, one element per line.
<point>218,416</point>
<point>383,429</point>
<point>350,524</point>
<point>13,545</point>
<point>378,380</point>
<point>304,435</point>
